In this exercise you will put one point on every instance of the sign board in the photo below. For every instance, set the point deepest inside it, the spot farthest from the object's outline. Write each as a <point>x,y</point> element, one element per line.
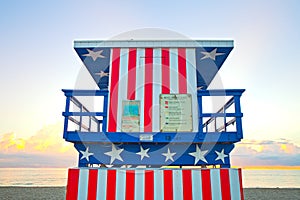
<point>176,113</point>
<point>130,116</point>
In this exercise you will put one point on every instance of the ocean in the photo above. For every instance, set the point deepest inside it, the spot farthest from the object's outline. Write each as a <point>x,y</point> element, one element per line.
<point>58,177</point>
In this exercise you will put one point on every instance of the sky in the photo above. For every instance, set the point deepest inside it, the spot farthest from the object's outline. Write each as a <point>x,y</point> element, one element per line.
<point>38,60</point>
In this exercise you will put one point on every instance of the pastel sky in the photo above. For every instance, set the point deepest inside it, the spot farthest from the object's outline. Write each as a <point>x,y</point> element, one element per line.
<point>38,60</point>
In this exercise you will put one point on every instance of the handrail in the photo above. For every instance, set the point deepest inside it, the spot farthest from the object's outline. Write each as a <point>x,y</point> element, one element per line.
<point>83,110</point>
<point>235,93</point>
<point>78,123</point>
<point>213,118</point>
<point>226,124</point>
<point>223,108</point>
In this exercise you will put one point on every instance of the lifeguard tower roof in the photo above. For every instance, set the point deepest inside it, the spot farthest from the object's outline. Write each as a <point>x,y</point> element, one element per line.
<point>207,56</point>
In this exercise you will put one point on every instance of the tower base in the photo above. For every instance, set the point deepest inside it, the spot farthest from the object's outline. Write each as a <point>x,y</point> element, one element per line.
<point>150,184</point>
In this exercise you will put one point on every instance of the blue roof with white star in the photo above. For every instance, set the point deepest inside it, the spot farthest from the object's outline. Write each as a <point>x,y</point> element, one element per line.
<point>210,56</point>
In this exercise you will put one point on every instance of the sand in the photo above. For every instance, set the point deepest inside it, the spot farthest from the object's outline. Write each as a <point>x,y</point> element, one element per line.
<point>25,193</point>
<point>59,193</point>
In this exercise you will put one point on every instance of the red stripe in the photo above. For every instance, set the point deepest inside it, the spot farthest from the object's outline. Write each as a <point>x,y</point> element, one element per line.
<point>111,185</point>
<point>241,184</point>
<point>149,185</point>
<point>225,183</point>
<point>129,193</point>
<point>131,74</point>
<point>148,92</point>
<point>168,185</point>
<point>114,87</point>
<point>187,184</point>
<point>182,71</point>
<point>72,186</point>
<point>165,62</point>
<point>206,186</point>
<point>92,188</point>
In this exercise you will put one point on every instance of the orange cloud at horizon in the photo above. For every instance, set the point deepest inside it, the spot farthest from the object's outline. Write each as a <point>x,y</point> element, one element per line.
<point>267,154</point>
<point>46,146</point>
<point>271,167</point>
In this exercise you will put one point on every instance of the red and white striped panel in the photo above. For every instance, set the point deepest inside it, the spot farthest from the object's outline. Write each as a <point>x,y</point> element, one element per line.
<point>145,73</point>
<point>154,184</point>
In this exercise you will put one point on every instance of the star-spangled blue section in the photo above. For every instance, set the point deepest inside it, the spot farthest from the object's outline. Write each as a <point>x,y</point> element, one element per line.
<point>156,151</point>
<point>96,66</point>
<point>207,68</point>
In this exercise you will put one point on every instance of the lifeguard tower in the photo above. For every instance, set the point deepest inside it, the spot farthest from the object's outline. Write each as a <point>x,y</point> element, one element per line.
<point>149,112</point>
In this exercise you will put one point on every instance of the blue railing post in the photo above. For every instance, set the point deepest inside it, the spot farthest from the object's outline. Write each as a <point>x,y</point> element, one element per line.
<point>67,109</point>
<point>80,118</point>
<point>105,107</point>
<point>238,112</point>
<point>200,111</point>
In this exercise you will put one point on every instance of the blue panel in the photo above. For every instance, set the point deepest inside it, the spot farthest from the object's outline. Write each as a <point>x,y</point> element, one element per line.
<point>207,67</point>
<point>155,154</point>
<point>96,65</point>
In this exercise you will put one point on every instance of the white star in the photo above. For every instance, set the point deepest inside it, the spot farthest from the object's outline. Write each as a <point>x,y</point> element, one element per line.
<point>169,155</point>
<point>143,153</point>
<point>86,154</point>
<point>212,55</point>
<point>221,155</point>
<point>102,74</point>
<point>114,154</point>
<point>199,155</point>
<point>94,54</point>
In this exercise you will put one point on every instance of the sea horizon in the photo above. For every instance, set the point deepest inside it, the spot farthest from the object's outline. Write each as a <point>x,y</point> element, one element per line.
<point>57,177</point>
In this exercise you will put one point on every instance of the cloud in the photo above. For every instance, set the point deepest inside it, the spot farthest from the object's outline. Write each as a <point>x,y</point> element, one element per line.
<point>280,152</point>
<point>46,148</point>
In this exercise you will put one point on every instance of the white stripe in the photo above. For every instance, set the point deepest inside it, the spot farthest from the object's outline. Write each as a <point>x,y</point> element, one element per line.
<point>234,184</point>
<point>140,83</point>
<point>157,82</point>
<point>174,70</point>
<point>139,184</point>
<point>192,84</point>
<point>177,184</point>
<point>197,184</point>
<point>109,85</point>
<point>101,186</point>
<point>215,184</point>
<point>123,77</point>
<point>120,184</point>
<point>83,183</point>
<point>158,184</point>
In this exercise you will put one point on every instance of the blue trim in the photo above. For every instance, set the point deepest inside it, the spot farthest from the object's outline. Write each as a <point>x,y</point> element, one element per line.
<point>67,114</point>
<point>152,43</point>
<point>220,92</point>
<point>70,93</point>
<point>165,137</point>
<point>105,109</point>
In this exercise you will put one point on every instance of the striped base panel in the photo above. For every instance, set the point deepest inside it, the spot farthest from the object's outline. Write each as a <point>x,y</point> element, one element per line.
<point>154,184</point>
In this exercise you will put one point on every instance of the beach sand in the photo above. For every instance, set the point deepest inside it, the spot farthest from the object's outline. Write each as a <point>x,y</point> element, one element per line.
<point>59,193</point>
